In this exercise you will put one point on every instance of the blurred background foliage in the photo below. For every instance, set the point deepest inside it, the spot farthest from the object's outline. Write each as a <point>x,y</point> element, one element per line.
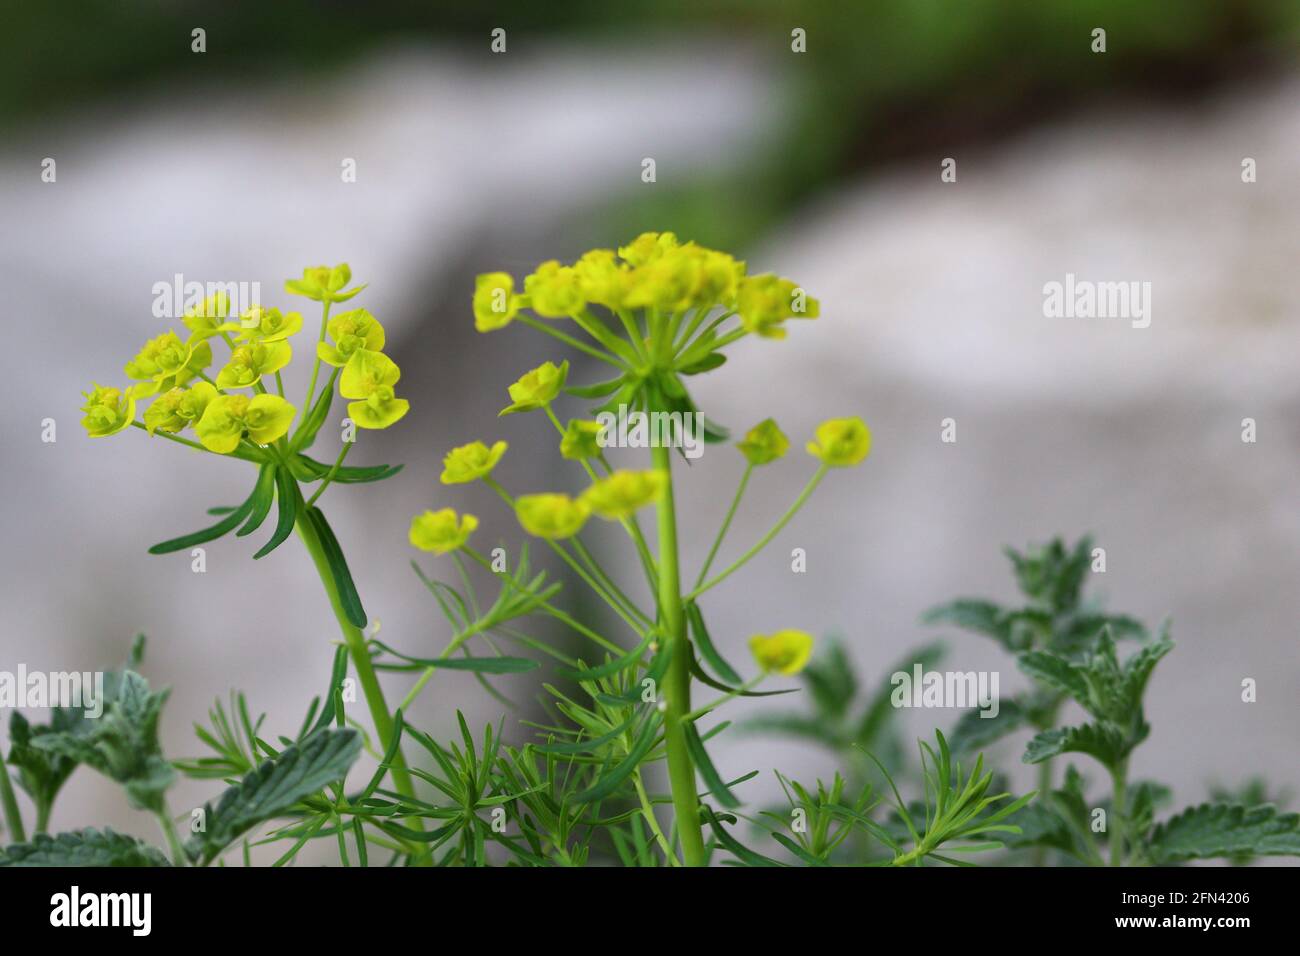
<point>886,79</point>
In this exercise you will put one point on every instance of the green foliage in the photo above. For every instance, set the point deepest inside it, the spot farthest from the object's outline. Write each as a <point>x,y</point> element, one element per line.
<point>1224,830</point>
<point>274,788</point>
<point>89,847</point>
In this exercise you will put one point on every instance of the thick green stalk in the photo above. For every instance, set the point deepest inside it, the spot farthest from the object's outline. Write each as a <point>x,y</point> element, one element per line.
<point>1119,774</point>
<point>677,682</point>
<point>13,816</point>
<point>356,643</point>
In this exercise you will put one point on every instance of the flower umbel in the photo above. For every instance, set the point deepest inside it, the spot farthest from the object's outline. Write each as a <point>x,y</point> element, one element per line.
<point>108,411</point>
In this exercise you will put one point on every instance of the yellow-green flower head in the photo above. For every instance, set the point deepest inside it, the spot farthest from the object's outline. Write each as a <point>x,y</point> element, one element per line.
<point>551,516</point>
<point>323,283</point>
<point>555,291</point>
<point>268,325</point>
<point>603,279</point>
<point>495,302</point>
<point>441,531</point>
<point>108,411</point>
<point>765,301</point>
<point>228,418</point>
<point>369,377</point>
<point>470,462</point>
<point>785,652</point>
<point>165,361</point>
<point>683,277</point>
<point>165,413</point>
<point>207,318</point>
<point>647,247</point>
<point>537,388</point>
<point>841,442</point>
<point>764,443</point>
<point>248,363</point>
<point>350,331</point>
<point>581,439</point>
<point>624,493</point>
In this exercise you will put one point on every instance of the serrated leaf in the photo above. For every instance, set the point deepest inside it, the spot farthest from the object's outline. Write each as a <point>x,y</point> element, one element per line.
<point>89,847</point>
<point>1218,830</point>
<point>274,788</point>
<point>1056,672</point>
<point>1102,741</point>
<point>122,743</point>
<point>974,731</point>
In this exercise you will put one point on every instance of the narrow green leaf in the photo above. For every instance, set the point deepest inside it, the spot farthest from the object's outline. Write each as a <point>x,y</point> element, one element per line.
<point>700,634</point>
<point>482,665</point>
<point>263,494</point>
<point>708,772</point>
<point>608,781</point>
<point>222,527</point>
<point>289,499</point>
<point>347,590</point>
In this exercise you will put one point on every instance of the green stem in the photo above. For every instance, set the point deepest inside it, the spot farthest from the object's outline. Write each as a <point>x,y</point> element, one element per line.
<point>1118,774</point>
<point>648,812</point>
<point>570,341</point>
<point>13,816</point>
<point>329,475</point>
<point>315,368</point>
<point>356,644</point>
<point>677,682</point>
<point>179,856</point>
<point>726,524</point>
<point>736,565</point>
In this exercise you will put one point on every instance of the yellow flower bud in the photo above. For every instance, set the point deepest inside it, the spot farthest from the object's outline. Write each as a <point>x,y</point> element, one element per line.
<point>555,290</point>
<point>470,462</point>
<point>785,652</point>
<point>228,418</point>
<point>248,363</point>
<point>765,301</point>
<point>581,440</point>
<point>441,531</point>
<point>602,278</point>
<point>323,283</point>
<point>495,302</point>
<point>551,516</point>
<point>268,325</point>
<point>841,442</point>
<point>108,411</point>
<point>623,493</point>
<point>764,443</point>
<point>207,318</point>
<point>537,388</point>
<point>647,247</point>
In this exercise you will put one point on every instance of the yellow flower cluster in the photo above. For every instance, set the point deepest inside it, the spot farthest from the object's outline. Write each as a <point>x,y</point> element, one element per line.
<point>174,371</point>
<point>653,271</point>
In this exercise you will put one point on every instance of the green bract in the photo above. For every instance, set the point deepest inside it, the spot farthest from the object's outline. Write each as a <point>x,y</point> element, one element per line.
<point>441,531</point>
<point>764,443</point>
<point>552,516</point>
<point>352,332</point>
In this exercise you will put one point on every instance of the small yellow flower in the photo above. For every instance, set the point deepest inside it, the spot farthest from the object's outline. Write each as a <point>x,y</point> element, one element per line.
<point>551,516</point>
<point>470,462</point>
<point>555,291</point>
<point>841,442</point>
<point>647,247</point>
<point>108,411</point>
<point>441,531</point>
<point>537,388</point>
<point>248,363</point>
<point>228,418</point>
<point>165,361</point>
<point>602,278</point>
<point>369,377</point>
<point>323,283</point>
<point>495,302</point>
<point>624,493</point>
<point>207,318</point>
<point>765,301</point>
<point>785,652</point>
<point>764,443</point>
<point>353,330</point>
<point>581,439</point>
<point>268,325</point>
<point>164,414</point>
